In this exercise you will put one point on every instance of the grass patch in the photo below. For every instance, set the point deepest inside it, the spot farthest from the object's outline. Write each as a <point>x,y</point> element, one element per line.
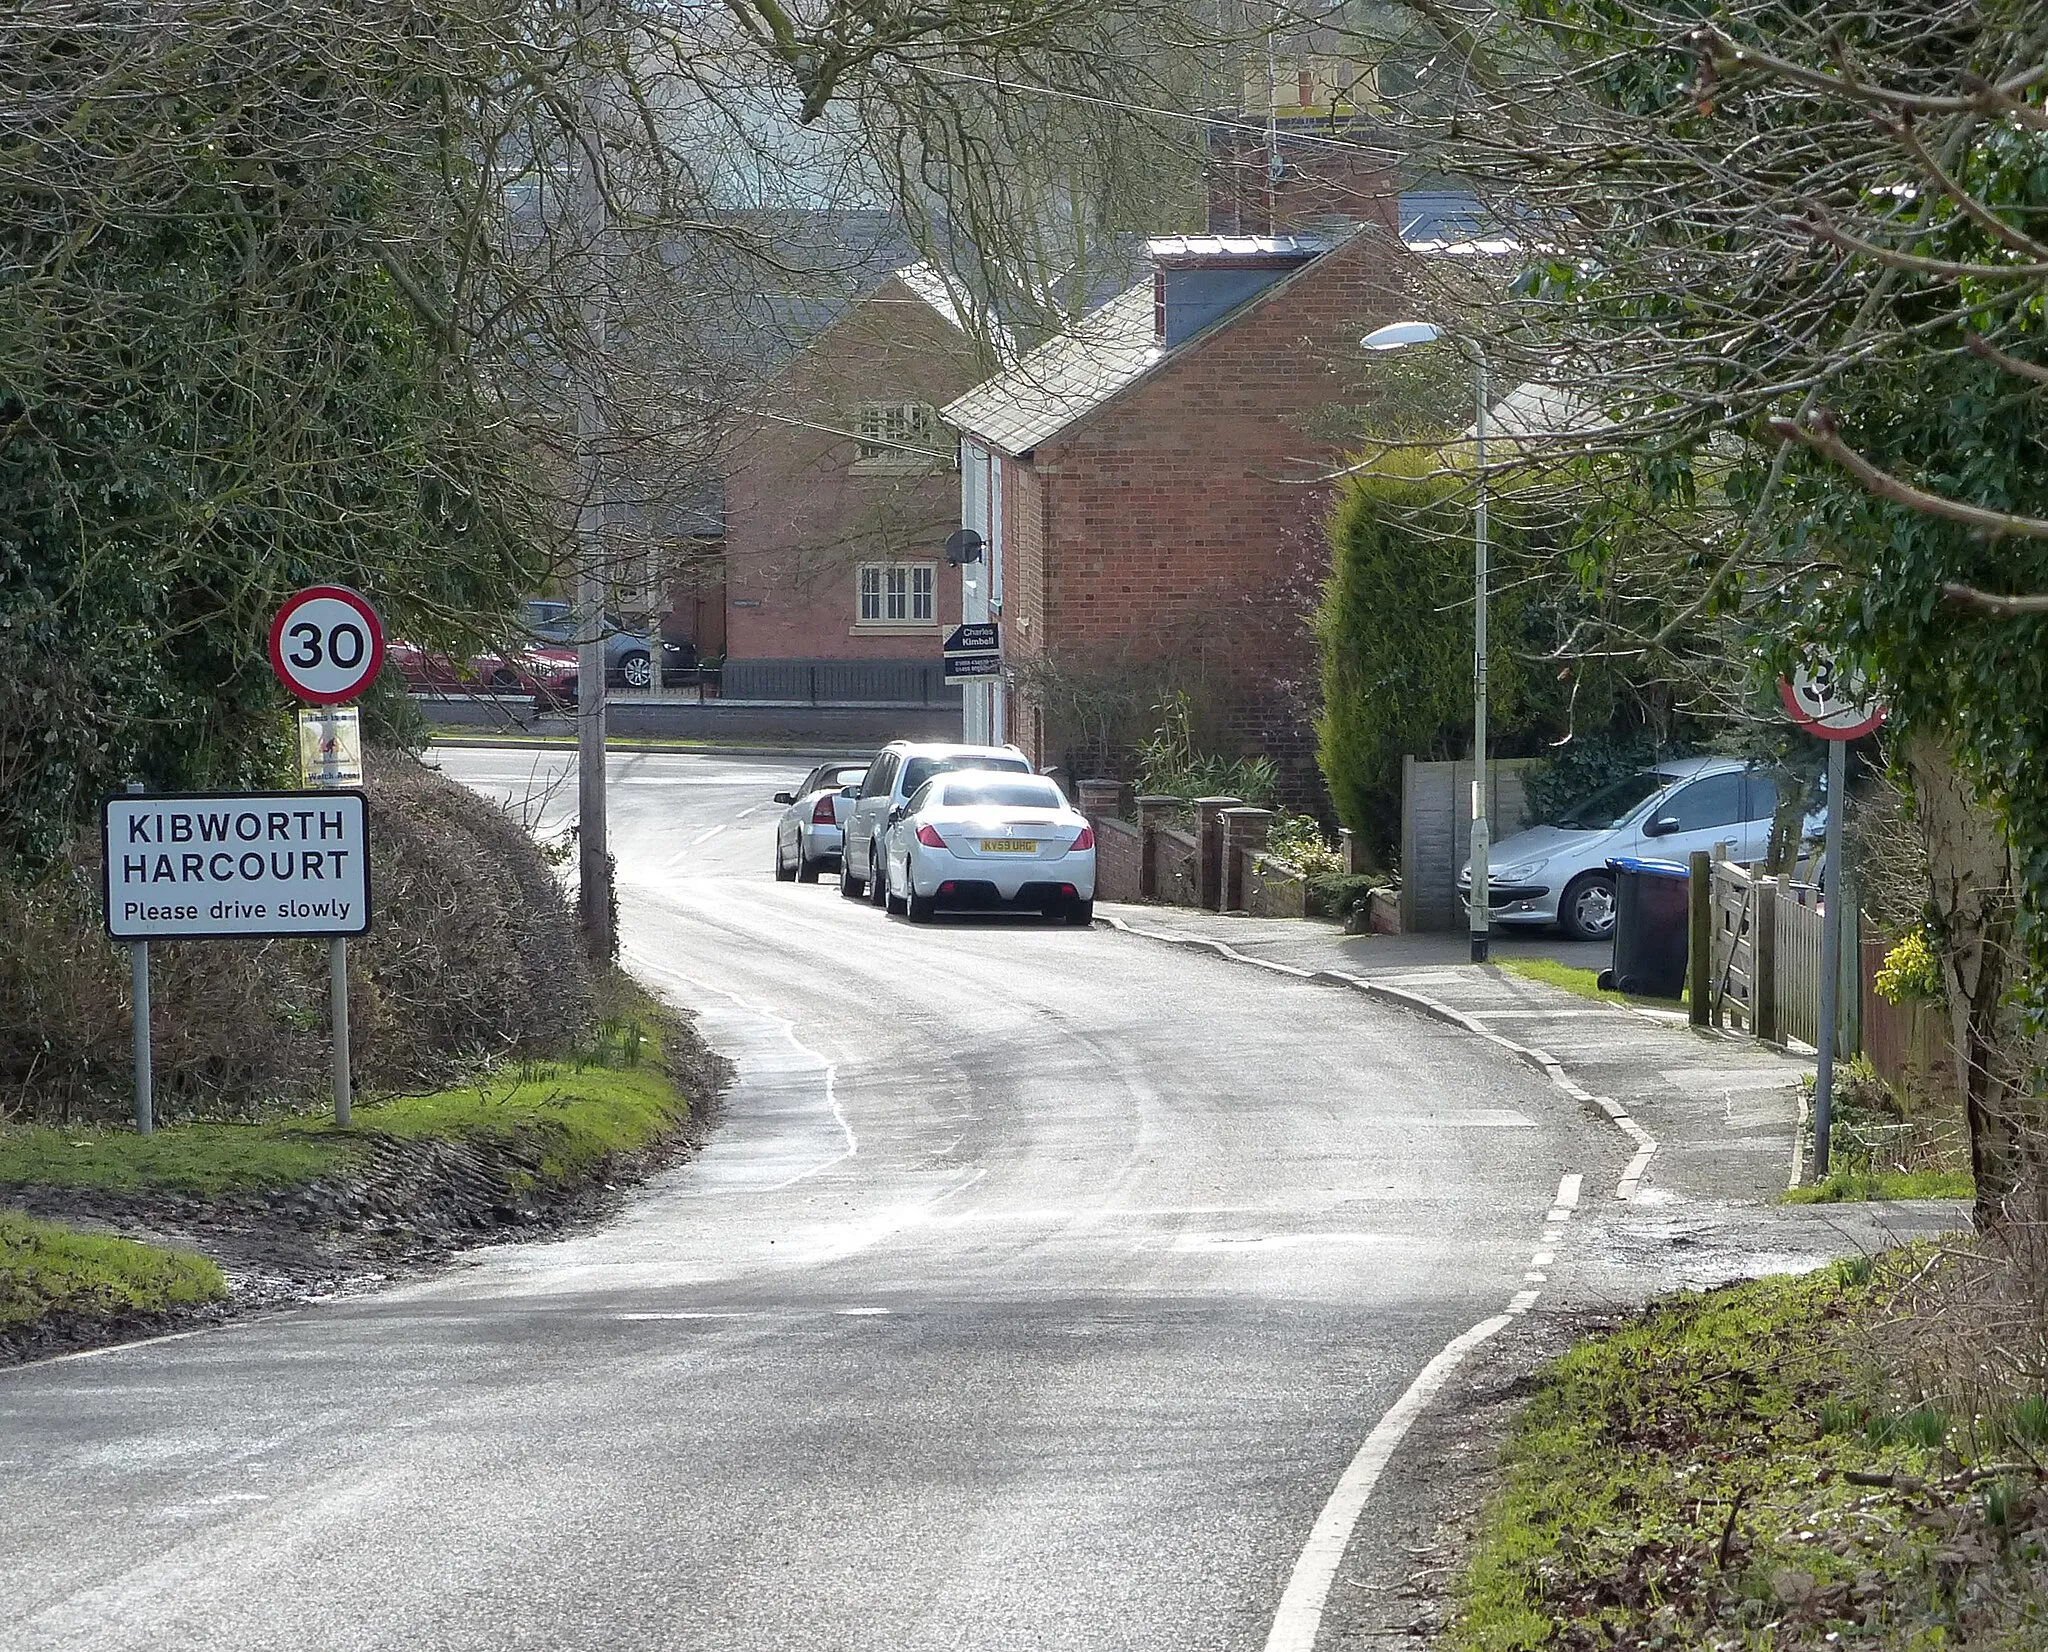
<point>1854,1186</point>
<point>47,1269</point>
<point>1734,1472</point>
<point>613,1096</point>
<point>1584,982</point>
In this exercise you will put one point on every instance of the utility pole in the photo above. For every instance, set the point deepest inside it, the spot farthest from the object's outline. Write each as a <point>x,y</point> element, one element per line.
<point>593,858</point>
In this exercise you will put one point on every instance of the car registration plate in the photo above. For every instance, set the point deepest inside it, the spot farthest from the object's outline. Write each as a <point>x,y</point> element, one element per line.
<point>1009,846</point>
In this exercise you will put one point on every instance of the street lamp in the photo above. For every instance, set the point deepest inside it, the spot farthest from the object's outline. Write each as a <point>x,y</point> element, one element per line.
<point>1398,336</point>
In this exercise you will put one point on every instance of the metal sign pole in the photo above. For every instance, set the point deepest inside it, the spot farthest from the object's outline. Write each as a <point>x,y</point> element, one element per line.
<point>1830,960</point>
<point>138,997</point>
<point>337,992</point>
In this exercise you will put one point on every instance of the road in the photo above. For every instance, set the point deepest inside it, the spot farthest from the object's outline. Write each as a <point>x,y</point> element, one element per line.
<point>1034,1292</point>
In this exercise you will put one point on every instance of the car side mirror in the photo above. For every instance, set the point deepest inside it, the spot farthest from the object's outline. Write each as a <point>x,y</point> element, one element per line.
<point>784,797</point>
<point>1662,827</point>
<point>898,813</point>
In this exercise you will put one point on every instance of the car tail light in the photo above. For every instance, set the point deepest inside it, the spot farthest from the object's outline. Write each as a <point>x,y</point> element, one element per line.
<point>1086,840</point>
<point>928,835</point>
<point>947,887</point>
<point>822,815</point>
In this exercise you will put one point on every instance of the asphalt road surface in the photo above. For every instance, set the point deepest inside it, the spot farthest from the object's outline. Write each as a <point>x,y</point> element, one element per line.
<point>1035,1292</point>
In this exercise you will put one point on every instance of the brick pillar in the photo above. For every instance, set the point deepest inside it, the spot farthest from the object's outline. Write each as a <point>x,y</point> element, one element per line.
<point>1352,850</point>
<point>1100,799</point>
<point>1155,814</point>
<point>1244,833</point>
<point>1209,830</point>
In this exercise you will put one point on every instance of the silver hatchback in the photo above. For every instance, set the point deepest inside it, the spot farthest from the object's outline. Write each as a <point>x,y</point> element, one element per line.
<point>899,769</point>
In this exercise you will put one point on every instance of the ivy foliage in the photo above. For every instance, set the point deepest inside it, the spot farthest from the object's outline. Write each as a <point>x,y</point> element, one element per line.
<point>212,393</point>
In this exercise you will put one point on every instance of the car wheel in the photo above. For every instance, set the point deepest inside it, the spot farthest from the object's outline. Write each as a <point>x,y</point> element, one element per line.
<point>900,903</point>
<point>637,670</point>
<point>878,876</point>
<point>849,885</point>
<point>919,909</point>
<point>807,868</point>
<point>784,871</point>
<point>1587,910</point>
<point>1080,913</point>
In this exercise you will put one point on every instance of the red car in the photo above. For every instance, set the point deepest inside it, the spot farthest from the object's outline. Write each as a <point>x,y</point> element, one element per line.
<point>548,675</point>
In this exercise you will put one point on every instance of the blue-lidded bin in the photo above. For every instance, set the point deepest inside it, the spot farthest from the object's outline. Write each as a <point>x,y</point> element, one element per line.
<point>1651,915</point>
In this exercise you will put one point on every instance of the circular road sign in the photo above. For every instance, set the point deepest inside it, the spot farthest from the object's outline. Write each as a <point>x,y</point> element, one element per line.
<point>326,644</point>
<point>1831,704</point>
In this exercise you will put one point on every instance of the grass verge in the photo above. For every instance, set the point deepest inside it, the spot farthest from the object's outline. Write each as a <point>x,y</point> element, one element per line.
<point>1852,1186</point>
<point>1739,1472</point>
<point>1584,982</point>
<point>46,1270</point>
<point>612,1097</point>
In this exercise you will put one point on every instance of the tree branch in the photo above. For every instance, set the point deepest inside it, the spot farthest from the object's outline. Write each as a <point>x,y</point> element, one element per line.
<point>2000,99</point>
<point>1993,602</point>
<point>1821,435</point>
<point>1984,350</point>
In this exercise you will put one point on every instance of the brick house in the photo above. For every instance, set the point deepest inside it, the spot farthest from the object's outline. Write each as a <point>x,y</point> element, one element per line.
<point>1152,488</point>
<point>840,488</point>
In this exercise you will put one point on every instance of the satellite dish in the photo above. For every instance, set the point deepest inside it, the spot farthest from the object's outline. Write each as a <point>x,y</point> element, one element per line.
<point>963,545</point>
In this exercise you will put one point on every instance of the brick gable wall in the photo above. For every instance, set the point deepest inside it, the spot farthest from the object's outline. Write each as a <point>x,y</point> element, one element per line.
<point>800,518</point>
<point>1184,520</point>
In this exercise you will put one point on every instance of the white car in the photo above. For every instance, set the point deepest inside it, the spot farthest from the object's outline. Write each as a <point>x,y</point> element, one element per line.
<point>810,833</point>
<point>897,771</point>
<point>990,839</point>
<point>1558,873</point>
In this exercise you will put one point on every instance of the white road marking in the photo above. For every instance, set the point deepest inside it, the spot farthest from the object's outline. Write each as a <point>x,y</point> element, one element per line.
<point>706,836</point>
<point>1308,1588</point>
<point>862,1313</point>
<point>829,1069</point>
<point>1300,1613</point>
<point>678,1314</point>
<point>1275,1241</point>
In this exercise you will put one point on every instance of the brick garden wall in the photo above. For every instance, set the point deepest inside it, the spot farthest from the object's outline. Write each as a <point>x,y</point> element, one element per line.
<point>1119,860</point>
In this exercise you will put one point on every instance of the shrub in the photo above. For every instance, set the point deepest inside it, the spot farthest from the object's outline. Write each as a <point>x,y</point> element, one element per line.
<point>1911,972</point>
<point>474,954</point>
<point>1395,630</point>
<point>1580,768</point>
<point>1170,766</point>
<point>1297,842</point>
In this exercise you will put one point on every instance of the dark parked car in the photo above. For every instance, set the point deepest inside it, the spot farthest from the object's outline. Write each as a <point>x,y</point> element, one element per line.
<point>629,661</point>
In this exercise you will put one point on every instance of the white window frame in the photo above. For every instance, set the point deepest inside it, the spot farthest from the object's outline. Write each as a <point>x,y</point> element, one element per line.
<point>896,596</point>
<point>901,438</point>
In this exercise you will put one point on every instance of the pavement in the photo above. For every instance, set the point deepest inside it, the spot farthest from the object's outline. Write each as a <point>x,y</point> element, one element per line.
<point>1040,1288</point>
<point>1712,1119</point>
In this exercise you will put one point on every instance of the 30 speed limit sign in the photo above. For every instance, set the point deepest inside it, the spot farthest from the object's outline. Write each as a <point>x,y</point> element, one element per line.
<point>1830,703</point>
<point>326,645</point>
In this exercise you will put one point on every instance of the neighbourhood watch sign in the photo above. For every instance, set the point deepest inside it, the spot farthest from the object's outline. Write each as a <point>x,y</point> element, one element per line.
<point>235,864</point>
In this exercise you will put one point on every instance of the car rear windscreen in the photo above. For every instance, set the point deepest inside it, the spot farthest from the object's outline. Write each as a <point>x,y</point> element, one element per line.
<point>1001,794</point>
<point>920,769</point>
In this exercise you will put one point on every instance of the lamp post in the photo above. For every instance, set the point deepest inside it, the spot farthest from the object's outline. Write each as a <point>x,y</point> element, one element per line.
<point>1400,335</point>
